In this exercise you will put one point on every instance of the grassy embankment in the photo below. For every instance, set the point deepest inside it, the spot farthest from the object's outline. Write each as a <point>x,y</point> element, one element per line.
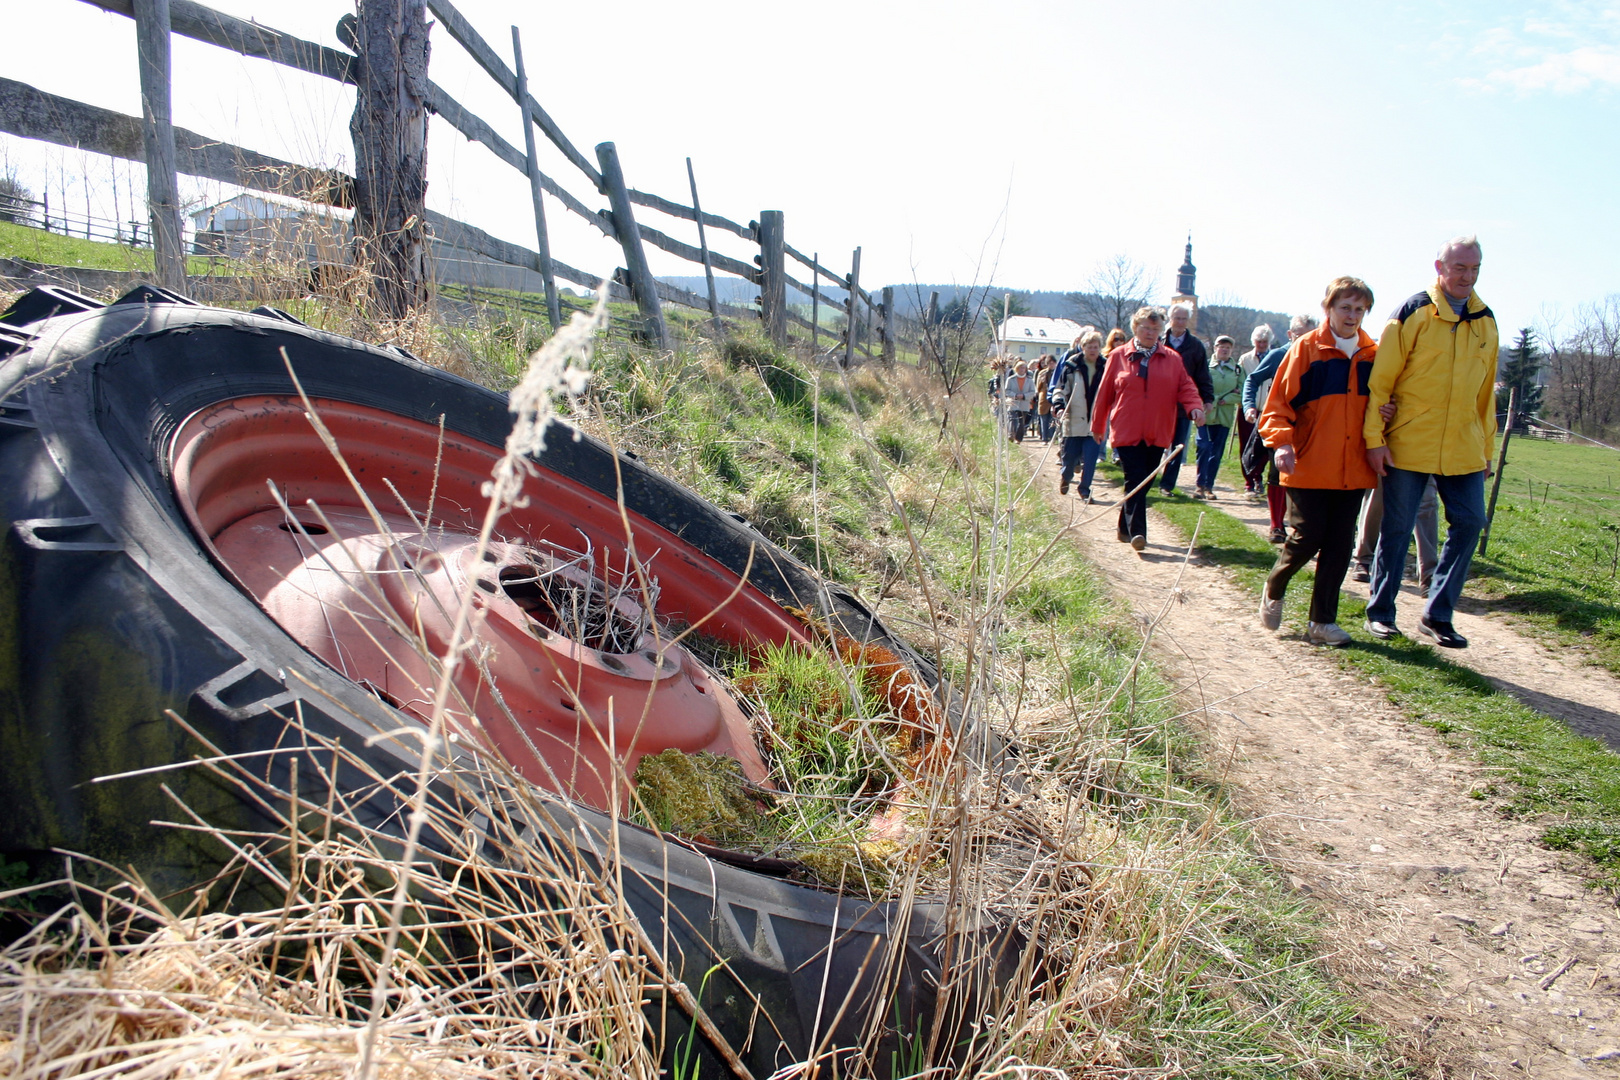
<point>1171,947</point>
<point>1209,965</point>
<point>1549,773</point>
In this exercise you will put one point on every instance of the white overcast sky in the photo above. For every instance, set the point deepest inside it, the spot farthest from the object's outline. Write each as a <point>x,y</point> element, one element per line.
<point>1297,141</point>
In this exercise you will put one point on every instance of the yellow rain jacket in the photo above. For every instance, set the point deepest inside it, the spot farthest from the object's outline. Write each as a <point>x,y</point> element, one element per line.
<point>1441,371</point>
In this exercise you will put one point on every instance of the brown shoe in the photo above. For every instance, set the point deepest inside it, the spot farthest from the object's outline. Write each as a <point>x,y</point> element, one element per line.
<point>1063,486</point>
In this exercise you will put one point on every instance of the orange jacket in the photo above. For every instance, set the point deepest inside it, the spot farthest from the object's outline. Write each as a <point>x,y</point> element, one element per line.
<point>1136,409</point>
<point>1317,404</point>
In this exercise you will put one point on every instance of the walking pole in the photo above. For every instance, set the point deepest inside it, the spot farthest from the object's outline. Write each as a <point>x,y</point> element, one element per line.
<point>1501,460</point>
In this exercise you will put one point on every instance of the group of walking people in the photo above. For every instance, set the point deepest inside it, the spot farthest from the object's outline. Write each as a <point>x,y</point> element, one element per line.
<point>1350,441</point>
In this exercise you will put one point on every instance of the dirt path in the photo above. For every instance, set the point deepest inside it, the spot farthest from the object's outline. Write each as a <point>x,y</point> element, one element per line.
<point>1465,934</point>
<point>1585,697</point>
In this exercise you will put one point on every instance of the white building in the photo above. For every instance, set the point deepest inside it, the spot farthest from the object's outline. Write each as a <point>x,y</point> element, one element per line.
<point>1028,336</point>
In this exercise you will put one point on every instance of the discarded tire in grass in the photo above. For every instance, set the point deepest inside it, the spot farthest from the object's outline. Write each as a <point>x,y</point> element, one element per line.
<point>136,440</point>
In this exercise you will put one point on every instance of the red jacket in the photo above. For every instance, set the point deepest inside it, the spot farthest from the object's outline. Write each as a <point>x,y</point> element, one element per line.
<point>1134,409</point>
<point>1317,404</point>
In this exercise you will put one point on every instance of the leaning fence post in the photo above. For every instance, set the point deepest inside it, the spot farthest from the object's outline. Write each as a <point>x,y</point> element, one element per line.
<point>157,137</point>
<point>772,283</point>
<point>703,247</point>
<point>852,322</point>
<point>642,286</point>
<point>542,239</point>
<point>888,324</point>
<point>1501,463</point>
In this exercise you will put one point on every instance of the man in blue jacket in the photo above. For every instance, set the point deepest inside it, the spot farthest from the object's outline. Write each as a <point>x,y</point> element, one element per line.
<point>1195,358</point>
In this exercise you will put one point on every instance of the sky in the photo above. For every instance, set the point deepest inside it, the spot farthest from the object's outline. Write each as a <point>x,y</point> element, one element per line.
<point>1021,143</point>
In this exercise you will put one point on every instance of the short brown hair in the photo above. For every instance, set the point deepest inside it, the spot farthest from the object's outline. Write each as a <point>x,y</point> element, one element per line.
<point>1341,287</point>
<point>1089,335</point>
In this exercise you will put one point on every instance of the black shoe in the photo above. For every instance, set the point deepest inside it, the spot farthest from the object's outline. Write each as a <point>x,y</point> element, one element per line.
<point>1362,572</point>
<point>1124,537</point>
<point>1444,634</point>
<point>1384,631</point>
<point>1278,536</point>
<point>1139,542</point>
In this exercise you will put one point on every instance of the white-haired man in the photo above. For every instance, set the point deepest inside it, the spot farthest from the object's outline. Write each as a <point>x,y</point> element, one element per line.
<point>1260,344</point>
<point>1437,363</point>
<point>1195,358</point>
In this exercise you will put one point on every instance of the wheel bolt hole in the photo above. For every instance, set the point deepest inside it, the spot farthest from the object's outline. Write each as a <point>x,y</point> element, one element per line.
<point>486,585</point>
<point>313,528</point>
<point>613,663</point>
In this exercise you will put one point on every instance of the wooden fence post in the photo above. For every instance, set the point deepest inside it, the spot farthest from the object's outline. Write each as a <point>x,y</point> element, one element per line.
<point>772,280</point>
<point>389,129</point>
<point>852,326</point>
<point>642,286</point>
<point>542,239</point>
<point>888,325</point>
<point>1501,463</point>
<point>157,136</point>
<point>815,303</point>
<point>703,246</point>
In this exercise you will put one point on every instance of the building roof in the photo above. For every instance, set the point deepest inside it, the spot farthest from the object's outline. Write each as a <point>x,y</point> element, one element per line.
<point>1054,334</point>
<point>259,206</point>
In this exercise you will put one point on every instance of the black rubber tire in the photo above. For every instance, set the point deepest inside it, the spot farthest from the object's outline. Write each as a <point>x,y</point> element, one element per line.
<point>110,613</point>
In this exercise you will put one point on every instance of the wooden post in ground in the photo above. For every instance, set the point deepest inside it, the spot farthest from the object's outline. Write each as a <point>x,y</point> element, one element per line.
<point>815,303</point>
<point>389,129</point>
<point>542,239</point>
<point>703,246</point>
<point>1501,460</point>
<point>157,138</point>
<point>852,321</point>
<point>642,286</point>
<point>888,325</point>
<point>772,282</point>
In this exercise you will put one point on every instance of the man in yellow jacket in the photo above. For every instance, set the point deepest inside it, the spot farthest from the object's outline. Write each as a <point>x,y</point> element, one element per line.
<point>1437,362</point>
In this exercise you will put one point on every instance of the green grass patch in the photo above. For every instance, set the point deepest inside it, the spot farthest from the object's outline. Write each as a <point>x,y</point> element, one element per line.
<point>55,249</point>
<point>1551,769</point>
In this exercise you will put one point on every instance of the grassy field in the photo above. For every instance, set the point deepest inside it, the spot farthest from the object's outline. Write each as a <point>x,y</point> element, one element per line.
<point>1548,771</point>
<point>54,249</point>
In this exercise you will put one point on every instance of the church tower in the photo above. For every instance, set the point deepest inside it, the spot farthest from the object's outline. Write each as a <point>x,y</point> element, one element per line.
<point>1186,286</point>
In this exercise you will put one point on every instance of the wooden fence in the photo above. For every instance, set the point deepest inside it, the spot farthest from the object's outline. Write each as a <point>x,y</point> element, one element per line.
<point>30,113</point>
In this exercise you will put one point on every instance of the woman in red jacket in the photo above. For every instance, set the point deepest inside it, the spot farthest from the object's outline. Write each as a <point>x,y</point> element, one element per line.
<point>1312,421</point>
<point>1136,403</point>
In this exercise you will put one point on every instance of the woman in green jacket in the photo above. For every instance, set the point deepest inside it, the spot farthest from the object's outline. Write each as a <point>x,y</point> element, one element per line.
<point>1227,376</point>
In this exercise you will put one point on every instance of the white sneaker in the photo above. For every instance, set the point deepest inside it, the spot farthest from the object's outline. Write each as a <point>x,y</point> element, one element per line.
<point>1270,611</point>
<point>1326,633</point>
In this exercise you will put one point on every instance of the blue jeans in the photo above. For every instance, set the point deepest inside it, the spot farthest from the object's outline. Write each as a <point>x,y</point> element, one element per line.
<point>1211,445</point>
<point>1464,500</point>
<point>1167,479</point>
<point>1081,450</point>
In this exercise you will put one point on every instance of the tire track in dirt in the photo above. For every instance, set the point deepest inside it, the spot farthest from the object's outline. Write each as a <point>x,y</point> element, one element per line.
<point>1466,938</point>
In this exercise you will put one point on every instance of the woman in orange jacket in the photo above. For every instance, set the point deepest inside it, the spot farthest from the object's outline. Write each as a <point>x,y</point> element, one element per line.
<point>1312,422</point>
<point>1136,405</point>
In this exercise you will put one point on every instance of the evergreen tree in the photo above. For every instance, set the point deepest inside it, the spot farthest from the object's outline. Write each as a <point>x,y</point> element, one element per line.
<point>1518,372</point>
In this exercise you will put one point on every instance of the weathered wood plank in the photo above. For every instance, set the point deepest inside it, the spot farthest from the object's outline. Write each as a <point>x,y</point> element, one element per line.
<point>33,114</point>
<point>193,20</point>
<point>675,209</point>
<point>459,28</point>
<point>811,291</point>
<point>810,262</point>
<point>703,247</point>
<point>692,254</point>
<point>852,331</point>
<point>674,294</point>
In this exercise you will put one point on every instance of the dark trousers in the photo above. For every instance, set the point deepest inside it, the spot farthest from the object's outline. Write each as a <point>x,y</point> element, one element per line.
<point>1321,525</point>
<point>1167,480</point>
<point>1244,430</point>
<point>1081,450</point>
<point>1211,447</point>
<point>1138,461</point>
<point>1017,425</point>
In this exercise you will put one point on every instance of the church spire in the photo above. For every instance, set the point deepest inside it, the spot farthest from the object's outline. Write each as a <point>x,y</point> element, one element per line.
<point>1184,276</point>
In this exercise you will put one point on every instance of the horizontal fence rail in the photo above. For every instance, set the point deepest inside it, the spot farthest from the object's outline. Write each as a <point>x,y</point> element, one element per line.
<point>30,113</point>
